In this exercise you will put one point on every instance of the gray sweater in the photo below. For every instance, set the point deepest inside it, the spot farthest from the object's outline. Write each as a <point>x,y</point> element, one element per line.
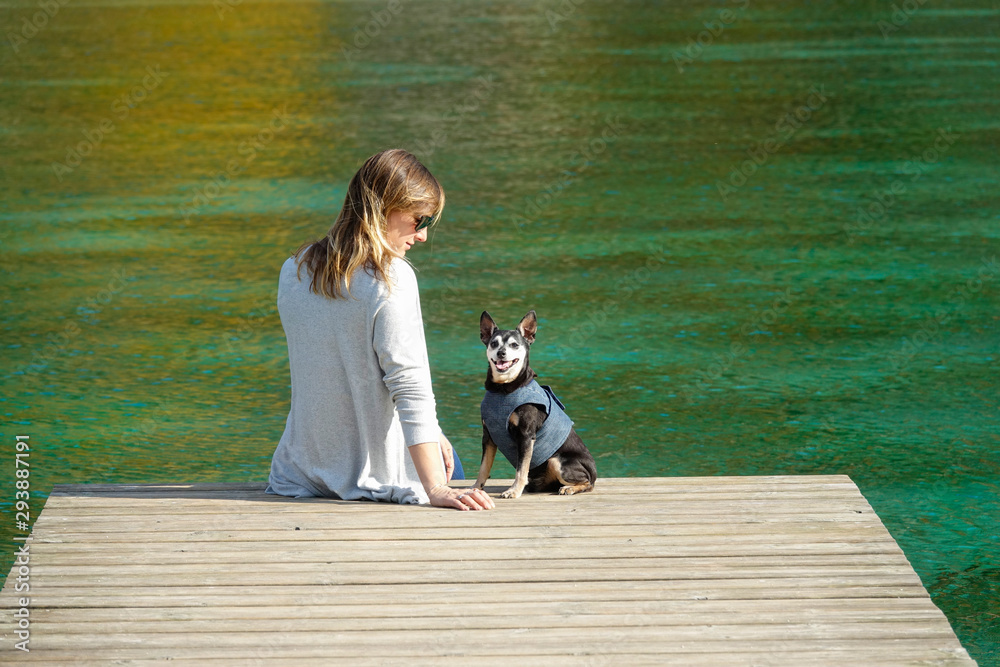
<point>361,389</point>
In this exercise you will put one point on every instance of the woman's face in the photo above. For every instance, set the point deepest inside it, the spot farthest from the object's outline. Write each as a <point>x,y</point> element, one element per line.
<point>401,229</point>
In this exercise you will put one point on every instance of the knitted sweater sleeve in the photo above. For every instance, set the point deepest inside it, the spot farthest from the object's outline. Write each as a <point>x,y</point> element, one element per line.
<point>398,340</point>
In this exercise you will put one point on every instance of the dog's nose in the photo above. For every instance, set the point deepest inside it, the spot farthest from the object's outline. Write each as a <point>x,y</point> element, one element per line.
<point>501,354</point>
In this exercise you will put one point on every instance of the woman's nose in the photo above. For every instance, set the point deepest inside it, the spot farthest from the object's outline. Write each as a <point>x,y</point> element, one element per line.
<point>422,235</point>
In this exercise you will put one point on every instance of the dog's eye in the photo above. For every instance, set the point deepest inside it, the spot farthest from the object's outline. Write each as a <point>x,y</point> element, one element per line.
<point>513,345</point>
<point>494,344</point>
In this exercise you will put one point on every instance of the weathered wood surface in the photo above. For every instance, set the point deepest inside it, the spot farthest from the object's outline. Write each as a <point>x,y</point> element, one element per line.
<point>686,571</point>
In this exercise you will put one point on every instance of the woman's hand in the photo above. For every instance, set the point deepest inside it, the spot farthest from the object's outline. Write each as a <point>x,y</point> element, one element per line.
<point>460,499</point>
<point>427,459</point>
<point>448,452</point>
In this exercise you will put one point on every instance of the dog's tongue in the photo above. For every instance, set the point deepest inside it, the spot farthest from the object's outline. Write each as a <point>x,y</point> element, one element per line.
<point>504,365</point>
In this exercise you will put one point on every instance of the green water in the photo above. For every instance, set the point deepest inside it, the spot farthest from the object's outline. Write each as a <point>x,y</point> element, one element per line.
<point>696,320</point>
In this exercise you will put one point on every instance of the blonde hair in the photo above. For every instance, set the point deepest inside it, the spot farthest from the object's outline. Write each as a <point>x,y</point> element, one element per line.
<point>393,180</point>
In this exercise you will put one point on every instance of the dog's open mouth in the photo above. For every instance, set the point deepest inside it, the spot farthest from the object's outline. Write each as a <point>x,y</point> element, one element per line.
<point>504,365</point>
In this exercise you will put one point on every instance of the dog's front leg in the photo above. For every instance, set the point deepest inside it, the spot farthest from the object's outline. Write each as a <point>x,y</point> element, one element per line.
<point>523,466</point>
<point>489,454</point>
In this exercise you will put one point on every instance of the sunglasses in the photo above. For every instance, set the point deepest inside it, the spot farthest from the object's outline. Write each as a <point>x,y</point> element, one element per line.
<point>424,221</point>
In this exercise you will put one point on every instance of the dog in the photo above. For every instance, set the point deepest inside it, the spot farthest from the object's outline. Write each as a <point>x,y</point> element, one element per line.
<point>525,420</point>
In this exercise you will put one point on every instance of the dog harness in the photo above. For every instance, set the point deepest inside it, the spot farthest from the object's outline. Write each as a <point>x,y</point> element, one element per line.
<point>496,409</point>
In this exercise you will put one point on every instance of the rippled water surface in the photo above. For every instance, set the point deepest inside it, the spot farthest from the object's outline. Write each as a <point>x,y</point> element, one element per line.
<point>761,237</point>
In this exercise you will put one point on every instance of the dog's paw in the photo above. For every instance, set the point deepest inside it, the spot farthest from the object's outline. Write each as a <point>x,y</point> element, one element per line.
<point>511,493</point>
<point>575,488</point>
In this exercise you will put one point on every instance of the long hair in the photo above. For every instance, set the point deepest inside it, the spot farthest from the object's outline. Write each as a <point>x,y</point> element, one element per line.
<point>393,180</point>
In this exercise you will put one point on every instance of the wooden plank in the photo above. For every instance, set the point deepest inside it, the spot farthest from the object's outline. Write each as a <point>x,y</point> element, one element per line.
<point>529,640</point>
<point>390,552</point>
<point>290,559</point>
<point>63,554</point>
<point>643,571</point>
<point>601,515</point>
<point>604,491</point>
<point>471,645</point>
<point>714,483</point>
<point>217,531</point>
<point>475,571</point>
<point>605,583</point>
<point>256,502</point>
<point>513,614</point>
<point>589,595</point>
<point>868,658</point>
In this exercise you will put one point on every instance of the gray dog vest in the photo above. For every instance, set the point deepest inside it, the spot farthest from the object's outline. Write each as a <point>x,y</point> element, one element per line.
<point>496,409</point>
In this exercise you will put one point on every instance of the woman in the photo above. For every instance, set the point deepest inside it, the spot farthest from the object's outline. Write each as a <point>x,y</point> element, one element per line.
<point>362,422</point>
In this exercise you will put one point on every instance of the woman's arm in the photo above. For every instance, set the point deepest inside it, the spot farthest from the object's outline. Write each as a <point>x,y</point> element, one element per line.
<point>427,460</point>
<point>398,341</point>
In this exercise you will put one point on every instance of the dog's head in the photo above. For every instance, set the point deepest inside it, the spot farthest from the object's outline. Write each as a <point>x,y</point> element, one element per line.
<point>507,349</point>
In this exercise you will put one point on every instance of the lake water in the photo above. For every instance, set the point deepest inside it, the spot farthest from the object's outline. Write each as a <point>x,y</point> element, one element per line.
<point>761,237</point>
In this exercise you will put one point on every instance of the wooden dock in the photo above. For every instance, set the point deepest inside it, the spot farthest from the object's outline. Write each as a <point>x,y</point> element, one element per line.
<point>686,571</point>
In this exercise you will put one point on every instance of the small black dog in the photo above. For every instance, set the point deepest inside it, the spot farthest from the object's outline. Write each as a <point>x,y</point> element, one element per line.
<point>525,420</point>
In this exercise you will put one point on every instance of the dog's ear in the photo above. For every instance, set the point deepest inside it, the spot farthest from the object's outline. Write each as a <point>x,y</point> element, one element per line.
<point>528,327</point>
<point>486,328</point>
